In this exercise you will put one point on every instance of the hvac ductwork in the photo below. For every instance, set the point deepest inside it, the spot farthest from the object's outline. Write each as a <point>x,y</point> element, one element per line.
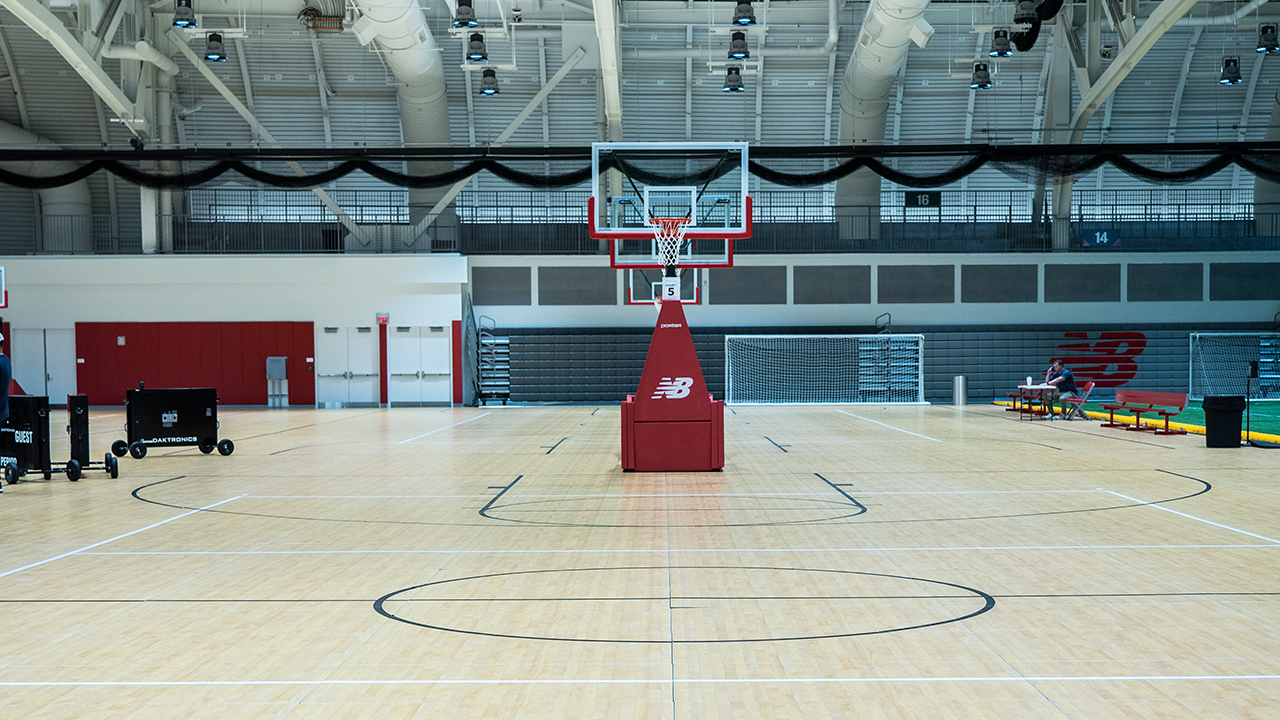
<point>888,29</point>
<point>66,213</point>
<point>413,56</point>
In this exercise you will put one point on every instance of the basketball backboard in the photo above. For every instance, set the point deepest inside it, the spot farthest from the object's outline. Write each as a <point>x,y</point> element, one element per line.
<point>635,185</point>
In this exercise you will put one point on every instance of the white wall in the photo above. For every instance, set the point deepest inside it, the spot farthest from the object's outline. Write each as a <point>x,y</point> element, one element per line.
<point>955,314</point>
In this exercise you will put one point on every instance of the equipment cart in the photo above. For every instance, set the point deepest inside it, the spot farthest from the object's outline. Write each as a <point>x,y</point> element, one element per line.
<point>171,417</point>
<point>24,438</point>
<point>78,429</point>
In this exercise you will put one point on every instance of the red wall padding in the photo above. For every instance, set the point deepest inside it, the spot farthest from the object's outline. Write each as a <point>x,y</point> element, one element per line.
<point>229,356</point>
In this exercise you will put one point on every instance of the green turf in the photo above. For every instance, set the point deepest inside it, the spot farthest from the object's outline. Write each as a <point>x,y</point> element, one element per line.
<point>1265,415</point>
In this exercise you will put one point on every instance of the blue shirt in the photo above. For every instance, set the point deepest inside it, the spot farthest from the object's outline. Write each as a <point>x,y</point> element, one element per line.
<point>1068,384</point>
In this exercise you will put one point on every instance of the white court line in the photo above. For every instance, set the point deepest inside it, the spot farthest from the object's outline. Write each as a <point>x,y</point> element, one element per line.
<point>926,437</point>
<point>446,427</point>
<point>1193,517</point>
<point>671,495</point>
<point>688,551</point>
<point>651,681</point>
<point>118,537</point>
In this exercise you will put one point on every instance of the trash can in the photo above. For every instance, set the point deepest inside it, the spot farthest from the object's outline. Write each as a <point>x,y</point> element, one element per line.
<point>960,390</point>
<point>1222,420</point>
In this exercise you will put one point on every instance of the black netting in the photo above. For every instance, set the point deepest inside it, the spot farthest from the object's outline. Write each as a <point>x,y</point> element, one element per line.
<point>912,167</point>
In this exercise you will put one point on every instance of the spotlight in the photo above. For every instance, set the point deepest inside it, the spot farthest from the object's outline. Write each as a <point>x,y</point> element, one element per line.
<point>465,15</point>
<point>489,82</point>
<point>1230,71</point>
<point>1000,44</point>
<point>214,51</point>
<point>733,80</point>
<point>1267,42</point>
<point>981,78</point>
<point>475,48</point>
<point>738,47</point>
<point>1025,12</point>
<point>184,16</point>
<point>744,14</point>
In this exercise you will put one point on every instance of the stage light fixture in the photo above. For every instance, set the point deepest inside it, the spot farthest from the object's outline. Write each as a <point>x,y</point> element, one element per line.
<point>489,82</point>
<point>464,16</point>
<point>733,80</point>
<point>1230,71</point>
<point>738,47</point>
<point>981,77</point>
<point>214,50</point>
<point>184,16</point>
<point>1025,12</point>
<point>744,14</point>
<point>1000,44</point>
<point>1267,42</point>
<point>475,48</point>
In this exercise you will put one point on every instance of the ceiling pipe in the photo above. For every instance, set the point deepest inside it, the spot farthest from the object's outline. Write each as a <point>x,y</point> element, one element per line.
<point>1233,18</point>
<point>888,29</point>
<point>833,39</point>
<point>408,48</point>
<point>66,222</point>
<point>143,51</point>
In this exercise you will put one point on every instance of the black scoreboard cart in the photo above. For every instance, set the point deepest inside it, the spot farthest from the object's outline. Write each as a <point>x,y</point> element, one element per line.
<point>78,429</point>
<point>169,417</point>
<point>24,438</point>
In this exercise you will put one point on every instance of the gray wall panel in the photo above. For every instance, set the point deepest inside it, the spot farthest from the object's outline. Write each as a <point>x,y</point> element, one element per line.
<point>1244,281</point>
<point>1082,283</point>
<point>1166,282</point>
<point>501,286</point>
<point>749,285</point>
<point>916,283</point>
<point>832,284</point>
<point>999,283</point>
<point>577,286</point>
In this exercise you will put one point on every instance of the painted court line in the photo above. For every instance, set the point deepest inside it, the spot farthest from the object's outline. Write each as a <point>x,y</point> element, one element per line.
<point>691,551</point>
<point>118,537</point>
<point>653,681</point>
<point>926,437</point>
<point>446,427</point>
<point>1193,517</point>
<point>671,495</point>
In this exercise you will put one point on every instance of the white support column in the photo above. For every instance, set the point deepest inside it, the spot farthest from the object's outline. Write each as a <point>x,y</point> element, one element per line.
<point>606,17</point>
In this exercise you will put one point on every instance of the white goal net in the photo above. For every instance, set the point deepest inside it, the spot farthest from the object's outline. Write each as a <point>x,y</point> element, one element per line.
<point>1220,365</point>
<point>805,369</point>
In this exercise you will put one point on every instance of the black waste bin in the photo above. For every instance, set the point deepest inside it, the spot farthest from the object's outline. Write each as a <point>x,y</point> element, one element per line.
<point>1222,420</point>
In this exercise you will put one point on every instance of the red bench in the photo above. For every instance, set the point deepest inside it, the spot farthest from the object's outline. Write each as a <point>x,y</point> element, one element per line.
<point>1139,402</point>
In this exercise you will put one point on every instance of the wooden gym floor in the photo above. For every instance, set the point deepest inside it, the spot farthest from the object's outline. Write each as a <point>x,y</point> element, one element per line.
<point>853,561</point>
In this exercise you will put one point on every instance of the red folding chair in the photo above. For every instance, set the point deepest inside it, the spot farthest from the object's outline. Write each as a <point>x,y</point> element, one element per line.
<point>1077,404</point>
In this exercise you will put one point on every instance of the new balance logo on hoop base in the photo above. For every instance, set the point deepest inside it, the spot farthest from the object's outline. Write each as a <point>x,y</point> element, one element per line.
<point>670,389</point>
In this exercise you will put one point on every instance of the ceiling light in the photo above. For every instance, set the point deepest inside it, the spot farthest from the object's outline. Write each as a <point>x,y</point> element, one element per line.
<point>475,48</point>
<point>1000,44</point>
<point>733,80</point>
<point>738,47</point>
<point>1230,71</point>
<point>464,16</point>
<point>981,78</point>
<point>184,16</point>
<point>214,51</point>
<point>1267,42</point>
<point>1025,12</point>
<point>489,82</point>
<point>744,14</point>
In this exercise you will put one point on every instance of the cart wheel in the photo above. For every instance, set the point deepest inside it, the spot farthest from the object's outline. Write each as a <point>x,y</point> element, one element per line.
<point>138,450</point>
<point>226,447</point>
<point>73,470</point>
<point>10,474</point>
<point>113,466</point>
<point>119,448</point>
<point>206,449</point>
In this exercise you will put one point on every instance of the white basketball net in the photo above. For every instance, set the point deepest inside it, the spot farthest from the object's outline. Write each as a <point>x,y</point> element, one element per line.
<point>669,232</point>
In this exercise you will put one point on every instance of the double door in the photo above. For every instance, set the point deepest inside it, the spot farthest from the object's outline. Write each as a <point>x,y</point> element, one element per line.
<point>347,367</point>
<point>419,365</point>
<point>44,362</point>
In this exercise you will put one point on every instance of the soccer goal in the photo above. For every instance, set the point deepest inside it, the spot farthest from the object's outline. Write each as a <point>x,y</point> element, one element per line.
<point>810,369</point>
<point>1221,364</point>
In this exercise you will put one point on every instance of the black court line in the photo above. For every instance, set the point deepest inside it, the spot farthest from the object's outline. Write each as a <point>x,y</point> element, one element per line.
<point>495,498</point>
<point>289,450</point>
<point>783,448</point>
<point>1113,436</point>
<point>553,447</point>
<point>593,412</point>
<point>838,488</point>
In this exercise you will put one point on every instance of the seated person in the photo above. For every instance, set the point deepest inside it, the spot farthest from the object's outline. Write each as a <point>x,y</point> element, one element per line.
<point>1065,387</point>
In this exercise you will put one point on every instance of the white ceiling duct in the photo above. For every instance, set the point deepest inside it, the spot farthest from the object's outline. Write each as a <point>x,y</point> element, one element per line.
<point>413,56</point>
<point>67,211</point>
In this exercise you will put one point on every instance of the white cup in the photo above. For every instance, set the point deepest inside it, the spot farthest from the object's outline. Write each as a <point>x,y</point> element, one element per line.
<point>1028,379</point>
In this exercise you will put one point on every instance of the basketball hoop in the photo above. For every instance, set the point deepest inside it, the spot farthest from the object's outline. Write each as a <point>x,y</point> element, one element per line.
<point>669,234</point>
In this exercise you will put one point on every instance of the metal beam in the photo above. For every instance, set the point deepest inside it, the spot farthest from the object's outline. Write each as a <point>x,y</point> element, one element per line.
<point>47,25</point>
<point>1121,21</point>
<point>1182,84</point>
<point>606,16</point>
<point>15,82</point>
<point>106,29</point>
<point>324,91</point>
<point>181,44</point>
<point>1243,125</point>
<point>1079,64</point>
